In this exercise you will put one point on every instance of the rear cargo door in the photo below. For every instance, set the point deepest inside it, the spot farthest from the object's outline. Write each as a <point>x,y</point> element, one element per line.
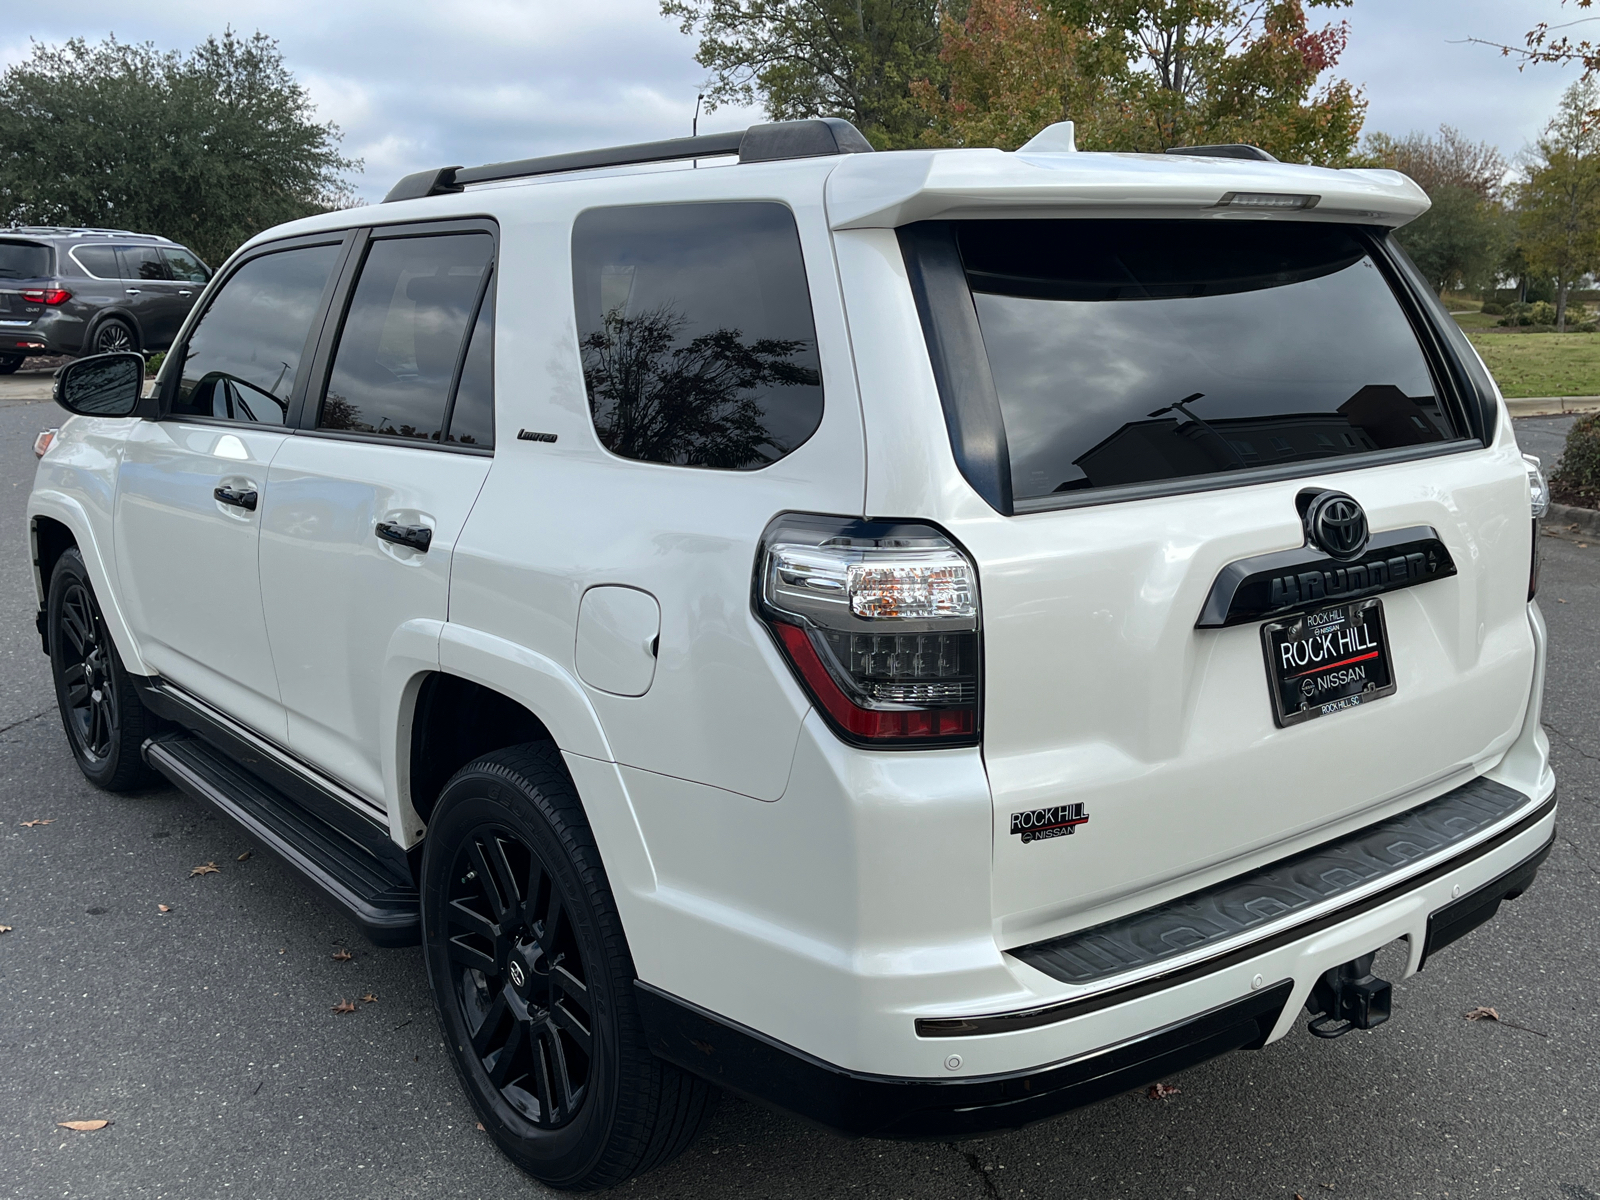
<point>1180,680</point>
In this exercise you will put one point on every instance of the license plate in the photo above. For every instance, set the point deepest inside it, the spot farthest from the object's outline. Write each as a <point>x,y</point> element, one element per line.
<point>1326,661</point>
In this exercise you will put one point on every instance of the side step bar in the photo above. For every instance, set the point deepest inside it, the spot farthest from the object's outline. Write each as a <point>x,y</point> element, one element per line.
<point>379,895</point>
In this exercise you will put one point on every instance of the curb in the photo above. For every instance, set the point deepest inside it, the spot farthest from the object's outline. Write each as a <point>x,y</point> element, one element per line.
<point>1564,516</point>
<point>1553,406</point>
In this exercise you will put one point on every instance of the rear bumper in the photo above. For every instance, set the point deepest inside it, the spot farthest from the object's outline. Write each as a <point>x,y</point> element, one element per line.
<point>855,1103</point>
<point>52,332</point>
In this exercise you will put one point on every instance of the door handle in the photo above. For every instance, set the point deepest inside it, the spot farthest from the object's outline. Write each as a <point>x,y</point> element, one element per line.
<point>185,293</point>
<point>244,498</point>
<point>132,291</point>
<point>414,537</point>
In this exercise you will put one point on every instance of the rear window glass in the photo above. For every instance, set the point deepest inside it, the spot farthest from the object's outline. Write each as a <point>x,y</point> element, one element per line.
<point>99,261</point>
<point>1128,352</point>
<point>694,322</point>
<point>24,260</point>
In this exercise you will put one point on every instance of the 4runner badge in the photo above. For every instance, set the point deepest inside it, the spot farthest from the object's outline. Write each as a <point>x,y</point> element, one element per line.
<point>1039,823</point>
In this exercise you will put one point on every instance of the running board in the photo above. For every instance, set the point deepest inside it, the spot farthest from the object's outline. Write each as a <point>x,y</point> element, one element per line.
<point>377,894</point>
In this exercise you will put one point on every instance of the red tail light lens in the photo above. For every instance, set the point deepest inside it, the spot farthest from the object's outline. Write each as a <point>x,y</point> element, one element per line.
<point>50,296</point>
<point>880,621</point>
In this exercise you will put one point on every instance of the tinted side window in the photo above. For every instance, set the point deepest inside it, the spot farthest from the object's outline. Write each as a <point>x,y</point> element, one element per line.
<point>240,361</point>
<point>403,334</point>
<point>184,265</point>
<point>472,415</point>
<point>142,262</point>
<point>24,260</point>
<point>1130,352</point>
<point>695,326</point>
<point>99,261</point>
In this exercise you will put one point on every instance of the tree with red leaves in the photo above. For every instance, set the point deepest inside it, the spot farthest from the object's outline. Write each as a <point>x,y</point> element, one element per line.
<point>1144,75</point>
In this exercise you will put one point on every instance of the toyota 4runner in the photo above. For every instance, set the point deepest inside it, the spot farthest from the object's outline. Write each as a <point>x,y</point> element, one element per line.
<point>926,640</point>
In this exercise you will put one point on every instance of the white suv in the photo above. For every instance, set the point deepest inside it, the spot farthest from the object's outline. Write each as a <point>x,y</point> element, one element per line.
<point>926,640</point>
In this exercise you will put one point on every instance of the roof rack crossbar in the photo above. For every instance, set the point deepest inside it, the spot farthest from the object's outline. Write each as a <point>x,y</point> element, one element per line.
<point>760,143</point>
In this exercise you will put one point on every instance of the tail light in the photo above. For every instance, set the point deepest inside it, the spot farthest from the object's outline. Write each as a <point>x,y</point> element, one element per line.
<point>50,296</point>
<point>880,621</point>
<point>1539,503</point>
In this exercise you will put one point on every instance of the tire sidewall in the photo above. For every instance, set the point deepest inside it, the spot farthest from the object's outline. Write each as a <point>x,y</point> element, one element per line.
<point>482,794</point>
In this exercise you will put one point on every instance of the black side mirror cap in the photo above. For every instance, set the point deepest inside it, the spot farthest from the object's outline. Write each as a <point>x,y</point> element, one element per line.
<point>102,385</point>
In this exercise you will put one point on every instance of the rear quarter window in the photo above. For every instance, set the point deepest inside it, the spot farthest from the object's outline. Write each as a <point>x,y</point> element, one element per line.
<point>696,333</point>
<point>1142,352</point>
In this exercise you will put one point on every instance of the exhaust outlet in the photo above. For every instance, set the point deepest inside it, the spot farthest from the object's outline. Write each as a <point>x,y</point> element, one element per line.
<point>1349,997</point>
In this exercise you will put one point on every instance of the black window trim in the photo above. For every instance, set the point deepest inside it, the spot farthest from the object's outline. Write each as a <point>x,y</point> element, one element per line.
<point>304,419</point>
<point>159,407</point>
<point>976,424</point>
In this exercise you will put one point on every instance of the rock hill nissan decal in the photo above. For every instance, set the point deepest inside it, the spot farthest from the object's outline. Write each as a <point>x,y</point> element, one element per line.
<point>1058,820</point>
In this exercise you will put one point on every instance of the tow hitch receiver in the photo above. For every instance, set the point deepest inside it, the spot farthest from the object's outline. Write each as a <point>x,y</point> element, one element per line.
<point>1348,997</point>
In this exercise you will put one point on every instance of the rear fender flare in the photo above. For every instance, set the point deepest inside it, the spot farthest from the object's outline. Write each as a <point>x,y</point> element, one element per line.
<point>70,512</point>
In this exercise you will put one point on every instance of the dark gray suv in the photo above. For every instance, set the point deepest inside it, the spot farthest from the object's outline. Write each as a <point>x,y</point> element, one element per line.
<point>88,291</point>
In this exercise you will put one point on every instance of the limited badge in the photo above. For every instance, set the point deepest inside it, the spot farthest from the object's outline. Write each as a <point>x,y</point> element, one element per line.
<point>1056,821</point>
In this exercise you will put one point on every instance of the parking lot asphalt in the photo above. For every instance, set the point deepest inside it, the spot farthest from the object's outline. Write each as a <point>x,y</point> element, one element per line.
<point>206,1034</point>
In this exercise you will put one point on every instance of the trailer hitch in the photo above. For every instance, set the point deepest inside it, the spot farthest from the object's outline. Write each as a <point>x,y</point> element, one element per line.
<point>1348,997</point>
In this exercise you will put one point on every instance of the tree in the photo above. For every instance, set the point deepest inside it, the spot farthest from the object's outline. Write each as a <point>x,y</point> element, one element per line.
<point>1558,199</point>
<point>812,58</point>
<point>206,148</point>
<point>1463,239</point>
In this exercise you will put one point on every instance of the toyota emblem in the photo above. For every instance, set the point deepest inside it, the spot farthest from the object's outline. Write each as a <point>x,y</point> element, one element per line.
<point>1338,524</point>
<point>517,977</point>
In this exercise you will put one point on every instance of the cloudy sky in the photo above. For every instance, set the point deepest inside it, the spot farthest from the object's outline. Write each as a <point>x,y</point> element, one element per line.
<point>416,84</point>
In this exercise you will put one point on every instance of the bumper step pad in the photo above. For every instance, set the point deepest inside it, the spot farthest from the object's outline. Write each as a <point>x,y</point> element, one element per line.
<point>377,893</point>
<point>1268,896</point>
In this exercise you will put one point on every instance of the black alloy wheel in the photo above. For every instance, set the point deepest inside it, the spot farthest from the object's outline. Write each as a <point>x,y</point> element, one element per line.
<point>113,336</point>
<point>534,984</point>
<point>105,721</point>
<point>519,976</point>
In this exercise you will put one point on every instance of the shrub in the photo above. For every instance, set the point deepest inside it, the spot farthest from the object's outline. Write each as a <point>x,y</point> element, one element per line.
<point>1586,327</point>
<point>1577,480</point>
<point>152,365</point>
<point>1542,313</point>
<point>1493,308</point>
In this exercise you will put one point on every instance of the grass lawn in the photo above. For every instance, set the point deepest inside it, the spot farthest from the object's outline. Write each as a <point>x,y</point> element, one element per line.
<point>1541,364</point>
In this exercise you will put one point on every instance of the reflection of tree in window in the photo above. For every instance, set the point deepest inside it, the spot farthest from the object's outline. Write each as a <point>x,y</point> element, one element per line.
<point>692,403</point>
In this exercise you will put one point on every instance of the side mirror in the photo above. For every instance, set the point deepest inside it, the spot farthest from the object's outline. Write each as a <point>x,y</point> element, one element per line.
<point>102,385</point>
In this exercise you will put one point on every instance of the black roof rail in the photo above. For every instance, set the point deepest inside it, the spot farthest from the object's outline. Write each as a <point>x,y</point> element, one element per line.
<point>816,138</point>
<point>1231,150</point>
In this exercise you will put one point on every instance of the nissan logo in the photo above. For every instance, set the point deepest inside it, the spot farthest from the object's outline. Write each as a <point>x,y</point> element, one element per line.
<point>1338,524</point>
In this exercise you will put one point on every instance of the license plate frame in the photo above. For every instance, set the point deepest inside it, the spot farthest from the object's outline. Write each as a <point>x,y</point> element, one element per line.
<point>1338,658</point>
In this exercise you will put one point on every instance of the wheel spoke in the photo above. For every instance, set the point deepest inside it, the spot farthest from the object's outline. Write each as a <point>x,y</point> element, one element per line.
<point>73,626</point>
<point>574,1028</point>
<point>571,985</point>
<point>491,1023</point>
<point>490,885</point>
<point>460,914</point>
<point>502,1063</point>
<point>552,918</point>
<point>560,1076</point>
<point>504,876</point>
<point>466,956</point>
<point>78,695</point>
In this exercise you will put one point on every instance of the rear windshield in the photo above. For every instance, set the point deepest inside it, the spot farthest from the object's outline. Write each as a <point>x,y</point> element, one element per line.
<point>1129,352</point>
<point>24,260</point>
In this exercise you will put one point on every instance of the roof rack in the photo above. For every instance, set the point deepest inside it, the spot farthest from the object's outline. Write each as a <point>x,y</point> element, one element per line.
<point>1231,150</point>
<point>77,231</point>
<point>817,138</point>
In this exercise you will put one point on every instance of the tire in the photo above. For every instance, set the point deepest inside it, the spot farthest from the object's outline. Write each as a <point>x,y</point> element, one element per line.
<point>105,721</point>
<point>114,334</point>
<point>9,363</point>
<point>533,981</point>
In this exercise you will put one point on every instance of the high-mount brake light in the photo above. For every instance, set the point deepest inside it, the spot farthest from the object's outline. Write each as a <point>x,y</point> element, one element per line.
<point>50,296</point>
<point>880,620</point>
<point>1270,200</point>
<point>1539,504</point>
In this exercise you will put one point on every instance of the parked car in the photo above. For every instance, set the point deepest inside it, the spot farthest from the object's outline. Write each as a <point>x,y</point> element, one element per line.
<point>90,291</point>
<point>926,640</point>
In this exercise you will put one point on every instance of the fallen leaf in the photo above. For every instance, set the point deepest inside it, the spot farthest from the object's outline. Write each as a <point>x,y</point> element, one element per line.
<point>1583,545</point>
<point>369,998</point>
<point>344,1006</point>
<point>37,821</point>
<point>480,1127</point>
<point>1483,1013</point>
<point>209,868</point>
<point>163,908</point>
<point>83,1126</point>
<point>1162,1091</point>
<point>243,856</point>
<point>5,929</point>
<point>343,956</point>
<point>1559,600</point>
